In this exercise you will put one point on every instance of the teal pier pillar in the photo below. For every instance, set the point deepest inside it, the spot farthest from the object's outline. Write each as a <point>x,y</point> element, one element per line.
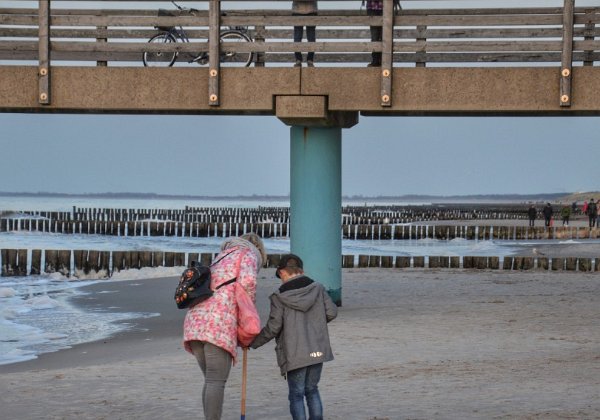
<point>316,185</point>
<point>316,204</point>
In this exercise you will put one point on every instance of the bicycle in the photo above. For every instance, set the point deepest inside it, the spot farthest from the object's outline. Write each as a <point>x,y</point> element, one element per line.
<point>172,34</point>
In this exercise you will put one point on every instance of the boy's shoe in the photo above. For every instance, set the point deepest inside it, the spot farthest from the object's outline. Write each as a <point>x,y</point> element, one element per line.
<point>298,63</point>
<point>310,63</point>
<point>374,65</point>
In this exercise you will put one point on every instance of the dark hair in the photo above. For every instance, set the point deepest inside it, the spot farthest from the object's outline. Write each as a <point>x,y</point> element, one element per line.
<point>293,270</point>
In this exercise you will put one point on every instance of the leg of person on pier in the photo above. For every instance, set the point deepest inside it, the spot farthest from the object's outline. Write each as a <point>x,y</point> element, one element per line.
<point>298,32</point>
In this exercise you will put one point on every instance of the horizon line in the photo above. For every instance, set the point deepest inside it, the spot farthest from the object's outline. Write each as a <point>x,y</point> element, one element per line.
<point>277,196</point>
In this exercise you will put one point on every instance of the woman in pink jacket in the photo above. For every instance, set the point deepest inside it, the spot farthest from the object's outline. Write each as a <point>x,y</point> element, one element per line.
<point>210,328</point>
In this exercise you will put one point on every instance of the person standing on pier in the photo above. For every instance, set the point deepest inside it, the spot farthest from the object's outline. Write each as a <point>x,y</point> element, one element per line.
<point>592,212</point>
<point>532,213</point>
<point>375,8</point>
<point>300,311</point>
<point>210,327</point>
<point>565,214</point>
<point>548,214</point>
<point>305,8</point>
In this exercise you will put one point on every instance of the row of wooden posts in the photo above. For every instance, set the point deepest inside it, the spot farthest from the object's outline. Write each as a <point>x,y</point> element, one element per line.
<point>281,230</point>
<point>351,215</point>
<point>102,264</point>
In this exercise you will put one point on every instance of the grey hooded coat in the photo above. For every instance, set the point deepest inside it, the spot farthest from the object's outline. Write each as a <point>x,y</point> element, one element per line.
<point>298,322</point>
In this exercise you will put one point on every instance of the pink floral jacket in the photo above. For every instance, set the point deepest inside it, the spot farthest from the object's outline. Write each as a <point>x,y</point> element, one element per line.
<point>215,319</point>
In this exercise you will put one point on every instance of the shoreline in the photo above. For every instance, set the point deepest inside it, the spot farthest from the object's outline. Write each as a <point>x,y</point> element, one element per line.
<point>444,343</point>
<point>114,296</point>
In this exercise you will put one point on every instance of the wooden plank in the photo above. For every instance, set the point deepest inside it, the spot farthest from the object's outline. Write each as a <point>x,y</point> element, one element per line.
<point>44,52</point>
<point>321,47</point>
<point>36,262</point>
<point>483,57</point>
<point>102,39</point>
<point>421,38</point>
<point>260,36</point>
<point>402,262</point>
<point>590,33</point>
<point>348,261</point>
<point>270,19</point>
<point>323,12</point>
<point>422,32</point>
<point>214,56</point>
<point>567,54</point>
<point>387,49</point>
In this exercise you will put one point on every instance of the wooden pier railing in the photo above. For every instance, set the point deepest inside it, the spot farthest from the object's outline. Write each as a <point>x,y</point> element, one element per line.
<point>421,37</point>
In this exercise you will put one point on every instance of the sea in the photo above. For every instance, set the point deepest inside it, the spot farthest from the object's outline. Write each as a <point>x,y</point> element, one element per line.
<point>36,314</point>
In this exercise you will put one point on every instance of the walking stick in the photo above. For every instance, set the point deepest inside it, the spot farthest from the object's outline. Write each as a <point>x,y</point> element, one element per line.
<point>244,374</point>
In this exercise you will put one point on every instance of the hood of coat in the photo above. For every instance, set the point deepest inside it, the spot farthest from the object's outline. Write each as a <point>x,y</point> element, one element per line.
<point>300,299</point>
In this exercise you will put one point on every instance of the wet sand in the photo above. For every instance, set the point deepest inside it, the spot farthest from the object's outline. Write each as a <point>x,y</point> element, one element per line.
<point>410,344</point>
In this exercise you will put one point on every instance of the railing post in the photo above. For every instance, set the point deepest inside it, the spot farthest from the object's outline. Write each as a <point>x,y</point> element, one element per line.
<point>420,60</point>
<point>567,53</point>
<point>214,53</point>
<point>259,37</point>
<point>589,35</point>
<point>387,50</point>
<point>44,52</point>
<point>102,39</point>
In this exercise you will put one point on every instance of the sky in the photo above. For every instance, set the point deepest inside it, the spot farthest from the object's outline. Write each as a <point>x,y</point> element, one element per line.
<point>243,155</point>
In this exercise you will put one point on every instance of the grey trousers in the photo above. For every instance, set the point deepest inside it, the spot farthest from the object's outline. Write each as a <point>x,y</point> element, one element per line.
<point>215,364</point>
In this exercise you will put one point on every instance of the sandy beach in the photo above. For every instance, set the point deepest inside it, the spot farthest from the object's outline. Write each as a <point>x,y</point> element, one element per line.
<point>410,344</point>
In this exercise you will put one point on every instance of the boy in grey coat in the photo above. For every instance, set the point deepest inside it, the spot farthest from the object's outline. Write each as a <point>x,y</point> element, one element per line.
<point>300,311</point>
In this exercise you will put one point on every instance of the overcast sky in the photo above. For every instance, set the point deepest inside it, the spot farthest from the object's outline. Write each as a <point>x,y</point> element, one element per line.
<point>204,155</point>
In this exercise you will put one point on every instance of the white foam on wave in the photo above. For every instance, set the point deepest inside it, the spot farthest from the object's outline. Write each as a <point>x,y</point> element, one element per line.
<point>42,302</point>
<point>36,316</point>
<point>147,273</point>
<point>7,292</point>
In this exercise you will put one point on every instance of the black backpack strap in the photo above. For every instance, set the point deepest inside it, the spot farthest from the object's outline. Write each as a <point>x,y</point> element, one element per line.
<point>230,252</point>
<point>233,280</point>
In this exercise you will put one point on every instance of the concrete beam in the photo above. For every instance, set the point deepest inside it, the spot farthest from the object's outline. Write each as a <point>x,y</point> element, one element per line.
<point>312,111</point>
<point>146,90</point>
<point>457,91</point>
<point>494,91</point>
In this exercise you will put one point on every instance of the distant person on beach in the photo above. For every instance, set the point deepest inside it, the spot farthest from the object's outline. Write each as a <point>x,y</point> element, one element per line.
<point>210,327</point>
<point>305,8</point>
<point>598,217</point>
<point>565,214</point>
<point>547,214</point>
<point>300,311</point>
<point>592,212</point>
<point>574,208</point>
<point>532,213</point>
<point>585,207</point>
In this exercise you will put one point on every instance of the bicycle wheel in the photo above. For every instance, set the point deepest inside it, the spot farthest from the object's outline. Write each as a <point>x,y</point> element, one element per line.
<point>230,57</point>
<point>159,58</point>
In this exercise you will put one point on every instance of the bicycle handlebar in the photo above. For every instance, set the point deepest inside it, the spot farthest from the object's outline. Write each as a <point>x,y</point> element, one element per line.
<point>185,9</point>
